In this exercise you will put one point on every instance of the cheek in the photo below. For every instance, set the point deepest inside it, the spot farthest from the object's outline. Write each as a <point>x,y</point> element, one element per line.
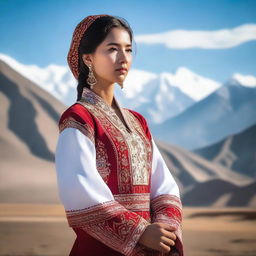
<point>104,63</point>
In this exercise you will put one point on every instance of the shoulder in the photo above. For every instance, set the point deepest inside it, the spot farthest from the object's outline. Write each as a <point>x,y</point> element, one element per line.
<point>142,121</point>
<point>77,112</point>
<point>77,116</point>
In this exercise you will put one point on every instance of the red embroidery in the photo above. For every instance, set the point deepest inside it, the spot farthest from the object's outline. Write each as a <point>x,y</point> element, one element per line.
<point>73,123</point>
<point>110,223</point>
<point>121,222</point>
<point>133,151</point>
<point>78,33</point>
<point>134,202</point>
<point>168,209</point>
<point>102,162</point>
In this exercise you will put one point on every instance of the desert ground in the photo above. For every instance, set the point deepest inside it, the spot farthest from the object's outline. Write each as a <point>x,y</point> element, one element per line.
<point>30,229</point>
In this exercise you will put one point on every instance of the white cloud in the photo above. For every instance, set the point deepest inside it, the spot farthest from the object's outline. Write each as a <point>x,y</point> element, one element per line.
<point>218,39</point>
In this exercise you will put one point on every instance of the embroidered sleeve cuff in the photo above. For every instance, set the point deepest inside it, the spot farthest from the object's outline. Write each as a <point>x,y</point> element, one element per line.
<point>134,247</point>
<point>111,223</point>
<point>168,209</point>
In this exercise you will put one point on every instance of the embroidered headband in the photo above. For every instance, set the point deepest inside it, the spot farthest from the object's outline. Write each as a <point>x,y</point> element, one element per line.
<point>79,31</point>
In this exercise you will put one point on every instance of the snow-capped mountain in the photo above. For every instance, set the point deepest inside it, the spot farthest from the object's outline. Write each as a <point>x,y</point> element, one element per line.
<point>228,110</point>
<point>160,97</point>
<point>157,100</point>
<point>29,131</point>
<point>247,80</point>
<point>157,96</point>
<point>57,80</point>
<point>173,104</point>
<point>191,84</point>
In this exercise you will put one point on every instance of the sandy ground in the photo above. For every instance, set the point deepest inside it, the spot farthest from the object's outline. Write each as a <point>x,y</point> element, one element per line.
<point>29,229</point>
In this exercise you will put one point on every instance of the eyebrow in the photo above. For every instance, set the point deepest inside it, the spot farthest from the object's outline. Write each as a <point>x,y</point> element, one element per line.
<point>117,44</point>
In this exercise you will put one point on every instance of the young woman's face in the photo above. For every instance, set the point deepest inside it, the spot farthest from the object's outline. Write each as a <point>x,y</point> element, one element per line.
<point>113,53</point>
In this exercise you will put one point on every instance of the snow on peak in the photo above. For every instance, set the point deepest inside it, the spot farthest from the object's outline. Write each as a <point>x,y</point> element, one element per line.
<point>245,80</point>
<point>139,86</point>
<point>22,69</point>
<point>55,79</point>
<point>195,86</point>
<point>135,81</point>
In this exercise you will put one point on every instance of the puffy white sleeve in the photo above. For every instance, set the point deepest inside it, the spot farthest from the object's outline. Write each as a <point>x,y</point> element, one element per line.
<point>166,206</point>
<point>162,181</point>
<point>88,201</point>
<point>75,161</point>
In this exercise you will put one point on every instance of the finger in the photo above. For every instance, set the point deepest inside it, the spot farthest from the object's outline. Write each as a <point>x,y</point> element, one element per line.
<point>169,235</point>
<point>164,248</point>
<point>168,227</point>
<point>167,241</point>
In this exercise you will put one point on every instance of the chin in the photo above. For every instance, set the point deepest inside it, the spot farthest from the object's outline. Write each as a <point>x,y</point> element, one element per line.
<point>120,79</point>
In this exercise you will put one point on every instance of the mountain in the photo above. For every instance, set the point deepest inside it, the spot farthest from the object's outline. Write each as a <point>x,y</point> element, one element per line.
<point>158,100</point>
<point>191,169</point>
<point>29,133</point>
<point>228,110</point>
<point>56,80</point>
<point>205,183</point>
<point>28,137</point>
<point>236,151</point>
<point>165,95</point>
<point>158,97</point>
<point>220,193</point>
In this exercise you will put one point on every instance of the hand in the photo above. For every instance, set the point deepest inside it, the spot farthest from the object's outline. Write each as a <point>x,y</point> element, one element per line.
<point>158,236</point>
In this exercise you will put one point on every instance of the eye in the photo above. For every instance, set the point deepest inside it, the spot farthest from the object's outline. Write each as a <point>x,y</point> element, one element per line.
<point>110,49</point>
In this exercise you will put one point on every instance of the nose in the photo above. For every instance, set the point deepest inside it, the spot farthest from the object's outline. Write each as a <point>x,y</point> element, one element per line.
<point>124,56</point>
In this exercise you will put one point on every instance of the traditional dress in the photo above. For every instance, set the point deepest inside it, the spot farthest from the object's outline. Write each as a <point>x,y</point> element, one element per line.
<point>112,179</point>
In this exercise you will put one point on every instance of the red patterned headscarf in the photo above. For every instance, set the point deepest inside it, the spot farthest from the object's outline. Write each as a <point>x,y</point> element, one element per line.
<point>79,31</point>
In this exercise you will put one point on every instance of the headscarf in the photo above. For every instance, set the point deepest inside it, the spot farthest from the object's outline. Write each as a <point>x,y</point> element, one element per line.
<point>72,58</point>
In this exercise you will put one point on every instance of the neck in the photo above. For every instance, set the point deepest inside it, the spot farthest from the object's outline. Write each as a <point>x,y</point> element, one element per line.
<point>107,93</point>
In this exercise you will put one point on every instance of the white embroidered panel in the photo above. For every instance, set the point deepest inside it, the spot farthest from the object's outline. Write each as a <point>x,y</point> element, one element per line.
<point>140,173</point>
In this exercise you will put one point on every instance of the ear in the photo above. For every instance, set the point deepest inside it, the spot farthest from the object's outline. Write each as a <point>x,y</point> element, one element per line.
<point>87,59</point>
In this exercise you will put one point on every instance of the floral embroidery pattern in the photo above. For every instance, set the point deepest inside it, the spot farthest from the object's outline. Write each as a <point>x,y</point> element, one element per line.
<point>86,129</point>
<point>141,150</point>
<point>102,163</point>
<point>110,223</point>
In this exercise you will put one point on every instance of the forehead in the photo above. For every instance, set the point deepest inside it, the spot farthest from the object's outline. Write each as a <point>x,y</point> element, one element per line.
<point>117,36</point>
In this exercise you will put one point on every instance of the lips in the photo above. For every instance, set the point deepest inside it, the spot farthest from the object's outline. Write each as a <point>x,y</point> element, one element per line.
<point>121,69</point>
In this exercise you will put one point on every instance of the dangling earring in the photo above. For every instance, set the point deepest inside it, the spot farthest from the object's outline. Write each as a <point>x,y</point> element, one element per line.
<point>91,80</point>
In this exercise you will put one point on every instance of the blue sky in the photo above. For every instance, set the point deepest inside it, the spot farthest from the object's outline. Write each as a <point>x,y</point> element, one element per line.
<point>39,32</point>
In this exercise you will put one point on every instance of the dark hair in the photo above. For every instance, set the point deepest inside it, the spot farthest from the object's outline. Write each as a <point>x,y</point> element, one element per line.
<point>95,35</point>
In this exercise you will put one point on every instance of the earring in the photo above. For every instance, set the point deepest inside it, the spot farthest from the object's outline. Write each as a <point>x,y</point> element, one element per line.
<point>121,85</point>
<point>91,80</point>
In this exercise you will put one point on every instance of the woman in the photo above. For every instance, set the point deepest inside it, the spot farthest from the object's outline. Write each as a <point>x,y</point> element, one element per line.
<point>118,194</point>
